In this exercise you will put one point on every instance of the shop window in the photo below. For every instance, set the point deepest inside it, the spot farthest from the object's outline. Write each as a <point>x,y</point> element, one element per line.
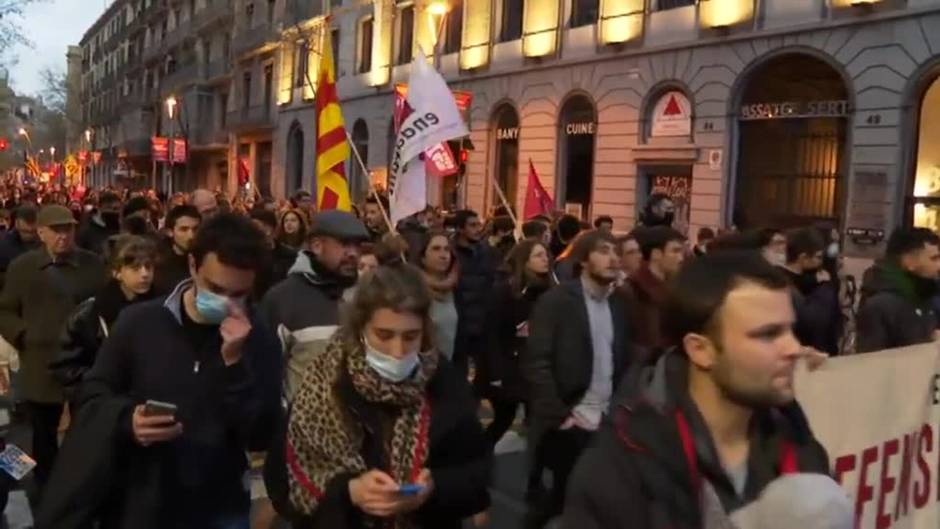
<point>511,27</point>
<point>577,127</point>
<point>453,32</point>
<point>365,45</point>
<point>406,29</point>
<point>584,12</point>
<point>926,199</point>
<point>506,133</point>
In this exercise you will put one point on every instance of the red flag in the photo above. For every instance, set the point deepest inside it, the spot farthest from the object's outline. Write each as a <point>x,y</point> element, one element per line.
<point>537,200</point>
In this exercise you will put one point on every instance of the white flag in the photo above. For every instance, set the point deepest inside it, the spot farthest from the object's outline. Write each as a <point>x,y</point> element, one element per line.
<point>435,119</point>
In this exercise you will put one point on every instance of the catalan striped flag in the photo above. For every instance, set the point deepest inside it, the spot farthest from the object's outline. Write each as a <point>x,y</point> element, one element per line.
<point>332,149</point>
<point>32,167</point>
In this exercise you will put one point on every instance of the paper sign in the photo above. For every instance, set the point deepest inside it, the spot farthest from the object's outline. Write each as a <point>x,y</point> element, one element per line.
<point>16,462</point>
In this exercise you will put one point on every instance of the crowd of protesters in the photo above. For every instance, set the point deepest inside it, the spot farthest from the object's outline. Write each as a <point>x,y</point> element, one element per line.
<point>183,333</point>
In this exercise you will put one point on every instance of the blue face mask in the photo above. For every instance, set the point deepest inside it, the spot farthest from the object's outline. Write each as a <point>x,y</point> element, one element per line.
<point>388,367</point>
<point>212,307</point>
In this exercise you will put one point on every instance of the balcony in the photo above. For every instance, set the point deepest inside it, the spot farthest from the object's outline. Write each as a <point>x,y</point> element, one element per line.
<point>208,136</point>
<point>154,52</point>
<point>217,70</point>
<point>178,35</point>
<point>183,75</point>
<point>218,12</point>
<point>253,118</point>
<point>247,40</point>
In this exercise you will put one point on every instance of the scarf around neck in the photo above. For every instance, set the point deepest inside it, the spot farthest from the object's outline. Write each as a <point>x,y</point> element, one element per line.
<point>322,440</point>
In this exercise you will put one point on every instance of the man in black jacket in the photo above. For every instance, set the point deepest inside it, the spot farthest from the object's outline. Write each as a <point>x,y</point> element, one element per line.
<point>577,350</point>
<point>94,233</point>
<point>21,239</point>
<point>182,223</point>
<point>813,292</point>
<point>478,264</point>
<point>702,432</point>
<point>896,308</point>
<point>283,257</point>
<point>202,352</point>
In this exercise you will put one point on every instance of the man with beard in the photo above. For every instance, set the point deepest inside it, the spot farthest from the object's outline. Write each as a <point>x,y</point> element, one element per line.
<point>104,224</point>
<point>577,350</point>
<point>896,308</point>
<point>815,299</point>
<point>373,218</point>
<point>304,308</point>
<point>660,210</point>
<point>173,262</point>
<point>705,430</point>
<point>663,250</point>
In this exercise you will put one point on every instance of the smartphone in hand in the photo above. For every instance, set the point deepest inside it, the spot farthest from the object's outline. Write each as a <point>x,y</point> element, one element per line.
<point>410,489</point>
<point>156,408</point>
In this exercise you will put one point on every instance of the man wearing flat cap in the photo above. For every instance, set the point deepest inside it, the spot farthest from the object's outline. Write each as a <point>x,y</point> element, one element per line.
<point>304,308</point>
<point>41,289</point>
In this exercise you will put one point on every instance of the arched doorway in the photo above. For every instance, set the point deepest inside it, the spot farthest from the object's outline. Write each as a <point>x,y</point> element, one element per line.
<point>576,128</point>
<point>359,181</point>
<point>924,205</point>
<point>295,159</point>
<point>792,123</point>
<point>506,162</point>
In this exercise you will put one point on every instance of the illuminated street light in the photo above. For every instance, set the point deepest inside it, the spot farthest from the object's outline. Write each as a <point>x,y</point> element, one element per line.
<point>438,8</point>
<point>171,106</point>
<point>88,134</point>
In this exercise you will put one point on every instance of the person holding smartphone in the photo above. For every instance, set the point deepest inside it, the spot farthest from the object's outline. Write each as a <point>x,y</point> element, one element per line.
<point>383,431</point>
<point>189,383</point>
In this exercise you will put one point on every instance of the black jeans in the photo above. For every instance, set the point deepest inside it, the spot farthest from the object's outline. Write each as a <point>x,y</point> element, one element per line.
<point>44,419</point>
<point>560,450</point>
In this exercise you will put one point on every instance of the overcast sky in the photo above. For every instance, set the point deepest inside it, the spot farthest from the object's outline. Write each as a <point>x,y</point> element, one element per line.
<point>52,25</point>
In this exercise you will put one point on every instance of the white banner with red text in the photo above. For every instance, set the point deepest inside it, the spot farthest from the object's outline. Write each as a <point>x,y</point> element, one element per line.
<point>878,415</point>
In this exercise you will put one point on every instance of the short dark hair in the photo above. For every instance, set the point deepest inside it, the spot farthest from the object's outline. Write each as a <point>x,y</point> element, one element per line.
<point>568,227</point>
<point>908,240</point>
<point>461,217</point>
<point>731,242</point>
<point>382,199</point>
<point>178,212</point>
<point>264,216</point>
<point>135,225</point>
<point>656,238</point>
<point>705,234</point>
<point>134,205</point>
<point>586,243</point>
<point>534,229</point>
<point>108,197</point>
<point>233,239</point>
<point>502,223</point>
<point>301,193</point>
<point>602,219</point>
<point>766,235</point>
<point>25,212</point>
<point>703,284</point>
<point>802,241</point>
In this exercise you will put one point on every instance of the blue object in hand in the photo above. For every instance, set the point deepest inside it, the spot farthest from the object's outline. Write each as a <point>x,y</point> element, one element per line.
<point>410,489</point>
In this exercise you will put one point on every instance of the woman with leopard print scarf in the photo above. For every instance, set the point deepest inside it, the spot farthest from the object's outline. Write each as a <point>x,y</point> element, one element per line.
<point>383,432</point>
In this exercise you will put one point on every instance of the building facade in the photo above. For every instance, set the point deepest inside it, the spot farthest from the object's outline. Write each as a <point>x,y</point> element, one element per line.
<point>777,112</point>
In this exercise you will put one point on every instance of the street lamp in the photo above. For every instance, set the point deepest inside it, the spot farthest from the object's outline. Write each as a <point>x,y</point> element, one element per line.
<point>437,15</point>
<point>52,153</point>
<point>24,133</point>
<point>171,104</point>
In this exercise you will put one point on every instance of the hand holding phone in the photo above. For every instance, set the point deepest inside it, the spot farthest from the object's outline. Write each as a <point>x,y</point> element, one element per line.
<point>155,422</point>
<point>410,489</point>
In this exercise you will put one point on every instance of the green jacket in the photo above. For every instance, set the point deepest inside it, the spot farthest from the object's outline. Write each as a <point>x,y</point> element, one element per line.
<point>35,303</point>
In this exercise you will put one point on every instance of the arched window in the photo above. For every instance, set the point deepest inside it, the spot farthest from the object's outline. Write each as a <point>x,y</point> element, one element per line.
<point>577,123</point>
<point>358,180</point>
<point>792,124</point>
<point>506,168</point>
<point>295,159</point>
<point>926,185</point>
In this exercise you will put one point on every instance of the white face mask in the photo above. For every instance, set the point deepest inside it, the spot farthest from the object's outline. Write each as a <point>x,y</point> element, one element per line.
<point>388,367</point>
<point>833,250</point>
<point>776,258</point>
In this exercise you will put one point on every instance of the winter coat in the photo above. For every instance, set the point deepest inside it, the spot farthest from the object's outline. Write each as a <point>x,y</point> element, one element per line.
<point>282,258</point>
<point>93,235</point>
<point>35,305</point>
<point>478,265</point>
<point>816,305</point>
<point>87,327</point>
<point>638,474</point>
<point>896,309</point>
<point>559,356</point>
<point>11,247</point>
<point>171,269</point>
<point>507,332</point>
<point>225,411</point>
<point>304,312</point>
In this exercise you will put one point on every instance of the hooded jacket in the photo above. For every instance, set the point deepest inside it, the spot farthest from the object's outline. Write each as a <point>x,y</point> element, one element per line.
<point>639,475</point>
<point>304,311</point>
<point>895,310</point>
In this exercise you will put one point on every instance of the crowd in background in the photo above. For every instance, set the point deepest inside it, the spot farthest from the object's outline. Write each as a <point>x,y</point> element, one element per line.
<point>183,332</point>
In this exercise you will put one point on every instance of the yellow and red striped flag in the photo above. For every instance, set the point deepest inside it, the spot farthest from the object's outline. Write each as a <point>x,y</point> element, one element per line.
<point>332,149</point>
<point>32,167</point>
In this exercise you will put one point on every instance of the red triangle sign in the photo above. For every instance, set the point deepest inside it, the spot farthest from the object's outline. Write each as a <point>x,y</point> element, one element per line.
<point>672,107</point>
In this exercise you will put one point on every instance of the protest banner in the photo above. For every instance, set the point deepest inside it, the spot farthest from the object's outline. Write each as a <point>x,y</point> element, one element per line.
<point>878,416</point>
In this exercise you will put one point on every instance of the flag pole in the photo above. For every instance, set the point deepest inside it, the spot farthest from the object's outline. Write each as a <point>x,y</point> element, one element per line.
<point>365,171</point>
<point>502,198</point>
